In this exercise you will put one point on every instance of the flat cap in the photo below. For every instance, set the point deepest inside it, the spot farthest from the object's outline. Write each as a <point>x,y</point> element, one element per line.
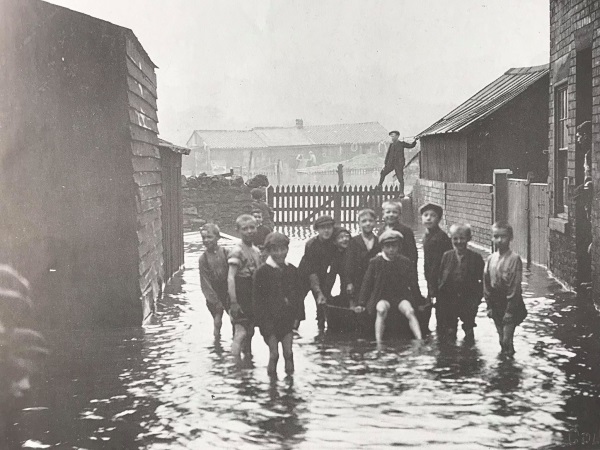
<point>396,132</point>
<point>276,239</point>
<point>390,236</point>
<point>322,221</point>
<point>432,207</point>
<point>585,127</point>
<point>339,230</point>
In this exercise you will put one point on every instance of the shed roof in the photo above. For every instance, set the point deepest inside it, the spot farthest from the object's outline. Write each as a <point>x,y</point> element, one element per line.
<point>230,139</point>
<point>346,133</point>
<point>87,17</point>
<point>282,136</point>
<point>488,100</point>
<point>174,148</point>
<point>265,137</point>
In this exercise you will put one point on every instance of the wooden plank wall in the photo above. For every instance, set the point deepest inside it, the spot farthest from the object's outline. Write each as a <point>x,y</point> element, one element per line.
<point>444,158</point>
<point>145,155</point>
<point>517,215</point>
<point>172,212</point>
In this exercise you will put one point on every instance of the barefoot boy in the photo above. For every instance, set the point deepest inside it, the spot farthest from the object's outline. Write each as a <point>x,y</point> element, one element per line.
<point>389,283</point>
<point>502,287</point>
<point>244,260</point>
<point>213,275</point>
<point>460,286</point>
<point>277,301</point>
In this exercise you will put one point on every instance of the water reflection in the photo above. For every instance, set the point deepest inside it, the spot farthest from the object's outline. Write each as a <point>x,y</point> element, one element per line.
<point>171,385</point>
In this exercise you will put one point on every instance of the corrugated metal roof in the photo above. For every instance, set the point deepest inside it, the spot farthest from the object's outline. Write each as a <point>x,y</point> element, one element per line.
<point>282,137</point>
<point>230,139</point>
<point>347,133</point>
<point>491,98</point>
<point>174,148</point>
<point>265,137</point>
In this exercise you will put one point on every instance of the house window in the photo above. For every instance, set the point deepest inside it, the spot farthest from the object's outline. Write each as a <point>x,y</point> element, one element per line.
<point>561,147</point>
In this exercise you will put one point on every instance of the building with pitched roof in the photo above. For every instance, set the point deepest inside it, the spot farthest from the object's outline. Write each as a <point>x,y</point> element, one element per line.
<point>262,149</point>
<point>504,125</point>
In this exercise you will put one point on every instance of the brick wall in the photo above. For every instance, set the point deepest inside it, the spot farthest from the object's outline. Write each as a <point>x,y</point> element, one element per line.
<point>570,21</point>
<point>462,202</point>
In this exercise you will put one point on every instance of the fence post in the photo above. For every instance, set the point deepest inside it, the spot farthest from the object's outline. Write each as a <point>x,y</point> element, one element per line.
<point>337,204</point>
<point>501,194</point>
<point>340,172</point>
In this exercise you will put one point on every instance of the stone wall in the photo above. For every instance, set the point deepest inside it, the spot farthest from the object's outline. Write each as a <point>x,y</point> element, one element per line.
<point>215,199</point>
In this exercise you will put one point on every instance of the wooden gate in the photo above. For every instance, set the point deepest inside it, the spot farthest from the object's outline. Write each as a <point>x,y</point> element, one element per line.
<point>300,205</point>
<point>528,214</point>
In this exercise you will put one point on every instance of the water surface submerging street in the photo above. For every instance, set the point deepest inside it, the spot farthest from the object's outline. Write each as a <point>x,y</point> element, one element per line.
<point>170,386</point>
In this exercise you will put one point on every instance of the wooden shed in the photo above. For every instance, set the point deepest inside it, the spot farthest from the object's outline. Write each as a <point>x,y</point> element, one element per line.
<point>504,125</point>
<point>172,209</point>
<point>82,180</point>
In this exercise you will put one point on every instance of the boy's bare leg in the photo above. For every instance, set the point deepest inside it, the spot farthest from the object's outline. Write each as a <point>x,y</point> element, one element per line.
<point>239,337</point>
<point>217,322</point>
<point>247,345</point>
<point>407,310</point>
<point>507,338</point>
<point>288,355</point>
<point>273,355</point>
<point>500,330</point>
<point>382,311</point>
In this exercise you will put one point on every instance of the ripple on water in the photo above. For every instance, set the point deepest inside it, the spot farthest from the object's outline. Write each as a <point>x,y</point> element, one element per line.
<point>170,386</point>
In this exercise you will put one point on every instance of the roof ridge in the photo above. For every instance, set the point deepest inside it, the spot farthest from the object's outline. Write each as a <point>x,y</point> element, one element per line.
<point>527,69</point>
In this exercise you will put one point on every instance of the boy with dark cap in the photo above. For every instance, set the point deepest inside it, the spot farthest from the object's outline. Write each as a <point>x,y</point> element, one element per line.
<point>318,254</point>
<point>435,243</point>
<point>394,159</point>
<point>277,301</point>
<point>389,284</point>
<point>339,315</point>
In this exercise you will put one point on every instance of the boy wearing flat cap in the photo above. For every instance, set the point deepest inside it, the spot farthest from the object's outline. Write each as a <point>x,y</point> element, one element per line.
<point>390,284</point>
<point>435,243</point>
<point>318,254</point>
<point>394,159</point>
<point>277,301</point>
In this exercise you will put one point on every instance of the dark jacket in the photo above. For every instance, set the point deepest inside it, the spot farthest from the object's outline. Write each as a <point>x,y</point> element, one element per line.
<point>472,288</point>
<point>277,299</point>
<point>409,245</point>
<point>377,276</point>
<point>395,153</point>
<point>357,261</point>
<point>435,243</point>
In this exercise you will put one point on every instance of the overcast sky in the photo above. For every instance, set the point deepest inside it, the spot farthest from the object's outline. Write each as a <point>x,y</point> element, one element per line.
<point>237,64</point>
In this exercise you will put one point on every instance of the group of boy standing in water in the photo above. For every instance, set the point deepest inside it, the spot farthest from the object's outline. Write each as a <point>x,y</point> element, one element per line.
<point>378,281</point>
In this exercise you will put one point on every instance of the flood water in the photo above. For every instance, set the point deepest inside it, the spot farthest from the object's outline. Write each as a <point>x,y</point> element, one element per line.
<point>170,386</point>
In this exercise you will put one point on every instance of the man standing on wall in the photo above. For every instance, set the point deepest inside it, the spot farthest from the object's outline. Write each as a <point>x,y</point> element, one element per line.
<point>394,159</point>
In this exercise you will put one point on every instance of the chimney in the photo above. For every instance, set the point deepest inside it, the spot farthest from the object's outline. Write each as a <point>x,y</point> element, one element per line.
<point>299,123</point>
